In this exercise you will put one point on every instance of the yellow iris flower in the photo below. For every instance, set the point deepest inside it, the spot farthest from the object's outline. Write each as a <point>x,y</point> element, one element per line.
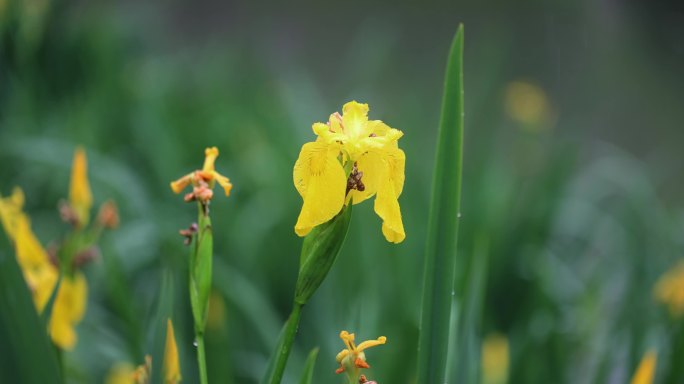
<point>352,159</point>
<point>495,359</point>
<point>669,289</point>
<point>352,358</point>
<point>207,175</point>
<point>80,197</point>
<point>41,274</point>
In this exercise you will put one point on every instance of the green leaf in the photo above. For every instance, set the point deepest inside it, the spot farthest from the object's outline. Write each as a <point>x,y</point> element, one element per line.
<point>440,254</point>
<point>47,310</point>
<point>200,271</point>
<point>26,355</point>
<point>307,374</point>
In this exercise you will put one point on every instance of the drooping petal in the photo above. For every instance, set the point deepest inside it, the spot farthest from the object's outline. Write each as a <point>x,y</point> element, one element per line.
<point>373,167</point>
<point>68,310</point>
<point>171,367</point>
<point>321,181</point>
<point>389,189</point>
<point>224,182</point>
<point>355,119</point>
<point>179,185</point>
<point>80,197</point>
<point>371,343</point>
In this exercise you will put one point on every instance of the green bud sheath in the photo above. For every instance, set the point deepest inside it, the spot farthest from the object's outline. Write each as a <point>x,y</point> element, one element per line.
<point>200,272</point>
<point>319,251</point>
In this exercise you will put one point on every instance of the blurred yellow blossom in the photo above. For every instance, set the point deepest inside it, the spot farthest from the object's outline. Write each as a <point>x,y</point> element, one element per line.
<point>495,359</point>
<point>646,369</point>
<point>352,358</point>
<point>121,373</point>
<point>80,197</point>
<point>669,289</point>
<point>41,274</point>
<point>171,366</point>
<point>203,180</point>
<point>352,159</point>
<point>528,105</point>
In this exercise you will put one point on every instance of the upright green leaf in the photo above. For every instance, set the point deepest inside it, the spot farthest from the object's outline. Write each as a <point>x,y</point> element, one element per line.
<point>307,373</point>
<point>440,255</point>
<point>26,355</point>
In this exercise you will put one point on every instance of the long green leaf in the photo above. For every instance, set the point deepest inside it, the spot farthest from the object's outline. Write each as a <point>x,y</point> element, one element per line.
<point>307,374</point>
<point>440,255</point>
<point>26,355</point>
<point>158,327</point>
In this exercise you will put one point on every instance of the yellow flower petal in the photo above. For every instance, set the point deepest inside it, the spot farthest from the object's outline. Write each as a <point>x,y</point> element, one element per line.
<point>646,370</point>
<point>210,155</point>
<point>68,310</point>
<point>389,189</point>
<point>179,185</point>
<point>80,196</point>
<point>11,211</point>
<point>224,182</point>
<point>171,367</point>
<point>340,356</point>
<point>373,167</point>
<point>321,181</point>
<point>371,343</point>
<point>355,119</point>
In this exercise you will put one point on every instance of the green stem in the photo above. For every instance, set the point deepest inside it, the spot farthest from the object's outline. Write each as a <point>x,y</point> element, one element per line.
<point>283,353</point>
<point>201,358</point>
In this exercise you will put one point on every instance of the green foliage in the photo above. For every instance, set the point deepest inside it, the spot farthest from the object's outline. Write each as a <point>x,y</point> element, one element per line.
<point>440,253</point>
<point>27,354</point>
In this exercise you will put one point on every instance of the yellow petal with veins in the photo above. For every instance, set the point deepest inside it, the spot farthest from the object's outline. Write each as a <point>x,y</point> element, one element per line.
<point>321,181</point>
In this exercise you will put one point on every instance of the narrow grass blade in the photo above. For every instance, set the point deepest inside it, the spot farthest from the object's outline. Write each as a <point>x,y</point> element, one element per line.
<point>440,255</point>
<point>26,355</point>
<point>307,374</point>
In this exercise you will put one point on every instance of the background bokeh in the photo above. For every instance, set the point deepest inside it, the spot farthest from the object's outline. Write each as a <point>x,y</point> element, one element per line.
<point>572,180</point>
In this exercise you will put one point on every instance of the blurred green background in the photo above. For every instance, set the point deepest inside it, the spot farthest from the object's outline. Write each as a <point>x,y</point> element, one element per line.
<point>573,186</point>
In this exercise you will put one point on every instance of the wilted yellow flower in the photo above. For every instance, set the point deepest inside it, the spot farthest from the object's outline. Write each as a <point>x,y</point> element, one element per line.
<point>646,369</point>
<point>495,359</point>
<point>352,358</point>
<point>669,289</point>
<point>351,160</point>
<point>203,180</point>
<point>80,197</point>
<point>171,366</point>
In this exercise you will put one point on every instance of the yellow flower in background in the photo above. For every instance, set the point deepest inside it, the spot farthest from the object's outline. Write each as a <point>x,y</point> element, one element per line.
<point>80,197</point>
<point>171,366</point>
<point>495,359</point>
<point>352,358</point>
<point>646,369</point>
<point>41,274</point>
<point>669,289</point>
<point>528,105</point>
<point>68,310</point>
<point>352,159</point>
<point>121,373</point>
<point>203,180</point>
